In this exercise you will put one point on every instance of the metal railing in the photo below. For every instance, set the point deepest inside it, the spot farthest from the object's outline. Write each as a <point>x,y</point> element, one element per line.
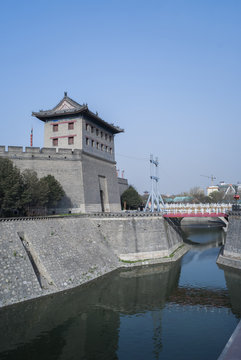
<point>197,208</point>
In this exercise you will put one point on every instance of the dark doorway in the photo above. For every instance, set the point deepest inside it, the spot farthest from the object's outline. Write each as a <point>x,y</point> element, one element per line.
<point>102,201</point>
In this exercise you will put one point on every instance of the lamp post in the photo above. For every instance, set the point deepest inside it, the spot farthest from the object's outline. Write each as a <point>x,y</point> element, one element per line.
<point>236,207</point>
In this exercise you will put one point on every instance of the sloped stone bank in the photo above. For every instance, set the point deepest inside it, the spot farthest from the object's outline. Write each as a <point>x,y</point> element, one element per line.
<point>44,256</point>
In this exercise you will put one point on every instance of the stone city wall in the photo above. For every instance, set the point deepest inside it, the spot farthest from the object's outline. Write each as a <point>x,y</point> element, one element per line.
<point>230,255</point>
<point>49,255</point>
<point>123,185</point>
<point>77,172</point>
<point>99,174</point>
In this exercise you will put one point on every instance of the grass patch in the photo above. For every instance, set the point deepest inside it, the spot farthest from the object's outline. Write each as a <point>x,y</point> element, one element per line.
<point>174,252</point>
<point>134,261</point>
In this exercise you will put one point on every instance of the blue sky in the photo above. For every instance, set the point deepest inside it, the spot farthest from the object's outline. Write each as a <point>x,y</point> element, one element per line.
<point>168,72</point>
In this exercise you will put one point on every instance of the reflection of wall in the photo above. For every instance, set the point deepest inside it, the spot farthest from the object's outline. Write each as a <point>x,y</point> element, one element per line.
<point>141,289</point>
<point>233,282</point>
<point>85,321</point>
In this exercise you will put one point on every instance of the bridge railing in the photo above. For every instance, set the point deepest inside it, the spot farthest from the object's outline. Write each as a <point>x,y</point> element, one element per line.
<point>196,208</point>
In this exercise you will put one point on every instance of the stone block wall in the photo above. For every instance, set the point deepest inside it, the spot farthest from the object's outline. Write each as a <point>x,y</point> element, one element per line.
<point>49,255</point>
<point>64,165</point>
<point>233,240</point>
<point>17,278</point>
<point>94,168</point>
<point>139,238</point>
<point>230,255</point>
<point>77,172</point>
<point>123,185</point>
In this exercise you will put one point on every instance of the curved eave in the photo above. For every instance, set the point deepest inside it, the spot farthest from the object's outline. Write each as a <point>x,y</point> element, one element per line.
<point>46,115</point>
<point>113,128</point>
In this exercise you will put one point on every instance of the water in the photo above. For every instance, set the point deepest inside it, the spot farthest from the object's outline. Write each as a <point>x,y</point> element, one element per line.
<point>186,310</point>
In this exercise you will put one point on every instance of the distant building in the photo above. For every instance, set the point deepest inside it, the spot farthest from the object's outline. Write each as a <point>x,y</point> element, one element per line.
<point>177,199</point>
<point>225,188</point>
<point>167,200</point>
<point>182,199</point>
<point>211,189</point>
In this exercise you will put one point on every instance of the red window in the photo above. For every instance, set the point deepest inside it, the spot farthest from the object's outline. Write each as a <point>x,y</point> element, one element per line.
<point>71,126</point>
<point>70,140</point>
<point>55,142</point>
<point>55,127</point>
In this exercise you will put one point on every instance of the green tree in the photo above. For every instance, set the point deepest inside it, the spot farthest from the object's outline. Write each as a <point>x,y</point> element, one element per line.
<point>132,199</point>
<point>198,195</point>
<point>10,188</point>
<point>31,191</point>
<point>24,193</point>
<point>217,196</point>
<point>51,191</point>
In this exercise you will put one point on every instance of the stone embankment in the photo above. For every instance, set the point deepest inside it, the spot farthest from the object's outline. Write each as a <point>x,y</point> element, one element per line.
<point>49,255</point>
<point>230,254</point>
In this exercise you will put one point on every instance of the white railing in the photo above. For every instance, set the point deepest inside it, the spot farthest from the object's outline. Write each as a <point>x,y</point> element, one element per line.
<point>197,208</point>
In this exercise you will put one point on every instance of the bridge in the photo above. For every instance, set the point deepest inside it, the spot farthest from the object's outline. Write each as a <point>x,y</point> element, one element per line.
<point>155,202</point>
<point>196,210</point>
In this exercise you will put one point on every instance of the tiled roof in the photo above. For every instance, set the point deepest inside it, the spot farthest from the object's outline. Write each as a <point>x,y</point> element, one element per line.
<point>71,107</point>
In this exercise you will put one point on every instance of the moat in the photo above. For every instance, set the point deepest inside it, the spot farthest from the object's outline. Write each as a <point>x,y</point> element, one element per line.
<point>186,310</point>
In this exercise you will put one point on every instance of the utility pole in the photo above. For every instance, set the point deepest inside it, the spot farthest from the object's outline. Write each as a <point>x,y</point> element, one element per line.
<point>154,197</point>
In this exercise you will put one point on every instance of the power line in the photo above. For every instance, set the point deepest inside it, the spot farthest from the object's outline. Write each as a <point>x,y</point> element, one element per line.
<point>141,159</point>
<point>133,157</point>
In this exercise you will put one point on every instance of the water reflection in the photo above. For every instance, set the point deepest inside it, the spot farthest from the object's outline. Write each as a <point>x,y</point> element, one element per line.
<point>233,281</point>
<point>133,314</point>
<point>202,237</point>
<point>84,322</point>
<point>201,297</point>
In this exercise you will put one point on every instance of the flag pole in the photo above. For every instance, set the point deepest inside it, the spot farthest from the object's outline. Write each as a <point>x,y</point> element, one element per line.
<point>31,137</point>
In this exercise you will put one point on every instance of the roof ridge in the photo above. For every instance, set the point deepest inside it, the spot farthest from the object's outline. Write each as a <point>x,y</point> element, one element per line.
<point>71,101</point>
<point>77,108</point>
